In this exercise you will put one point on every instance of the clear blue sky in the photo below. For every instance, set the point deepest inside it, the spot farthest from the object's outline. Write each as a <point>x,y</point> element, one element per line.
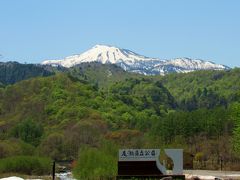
<point>35,30</point>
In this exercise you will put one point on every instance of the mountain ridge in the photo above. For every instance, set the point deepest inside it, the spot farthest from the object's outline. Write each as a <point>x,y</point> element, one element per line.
<point>134,62</point>
<point>12,72</point>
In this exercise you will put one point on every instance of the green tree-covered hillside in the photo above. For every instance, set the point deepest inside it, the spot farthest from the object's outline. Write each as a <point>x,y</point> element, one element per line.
<point>77,114</point>
<point>12,72</point>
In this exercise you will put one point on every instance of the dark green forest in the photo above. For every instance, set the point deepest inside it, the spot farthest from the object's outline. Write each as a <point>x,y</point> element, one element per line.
<point>12,72</point>
<point>88,112</point>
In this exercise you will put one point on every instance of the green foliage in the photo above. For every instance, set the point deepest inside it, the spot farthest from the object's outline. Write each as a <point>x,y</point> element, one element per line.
<point>212,123</point>
<point>236,131</point>
<point>88,131</point>
<point>12,72</point>
<point>143,94</point>
<point>101,76</point>
<point>52,146</point>
<point>199,156</point>
<point>13,147</point>
<point>236,139</point>
<point>29,131</point>
<point>97,163</point>
<point>201,89</point>
<point>30,165</point>
<point>127,103</point>
<point>81,108</point>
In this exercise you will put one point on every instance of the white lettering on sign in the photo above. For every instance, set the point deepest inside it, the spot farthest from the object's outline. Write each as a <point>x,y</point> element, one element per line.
<point>138,154</point>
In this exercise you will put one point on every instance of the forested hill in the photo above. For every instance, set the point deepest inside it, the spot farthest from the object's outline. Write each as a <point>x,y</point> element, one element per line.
<point>95,73</point>
<point>203,88</point>
<point>96,109</point>
<point>99,74</point>
<point>191,91</point>
<point>12,72</point>
<point>49,99</point>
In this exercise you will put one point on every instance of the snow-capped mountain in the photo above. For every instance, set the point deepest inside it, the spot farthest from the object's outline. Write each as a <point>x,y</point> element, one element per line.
<point>133,62</point>
<point>103,54</point>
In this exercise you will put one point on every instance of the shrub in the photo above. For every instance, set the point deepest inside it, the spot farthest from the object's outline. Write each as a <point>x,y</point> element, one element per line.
<point>30,165</point>
<point>15,147</point>
<point>97,163</point>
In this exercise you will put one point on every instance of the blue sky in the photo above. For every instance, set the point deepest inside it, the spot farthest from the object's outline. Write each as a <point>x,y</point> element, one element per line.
<point>35,30</point>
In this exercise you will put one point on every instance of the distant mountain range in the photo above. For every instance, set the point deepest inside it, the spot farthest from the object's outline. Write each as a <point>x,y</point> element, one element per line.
<point>109,60</point>
<point>133,62</point>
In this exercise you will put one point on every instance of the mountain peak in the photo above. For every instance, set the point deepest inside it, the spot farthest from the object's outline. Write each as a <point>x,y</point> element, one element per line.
<point>103,54</point>
<point>102,46</point>
<point>131,61</point>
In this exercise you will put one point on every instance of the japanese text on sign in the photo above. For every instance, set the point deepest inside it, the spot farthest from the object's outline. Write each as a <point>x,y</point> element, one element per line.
<point>138,154</point>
